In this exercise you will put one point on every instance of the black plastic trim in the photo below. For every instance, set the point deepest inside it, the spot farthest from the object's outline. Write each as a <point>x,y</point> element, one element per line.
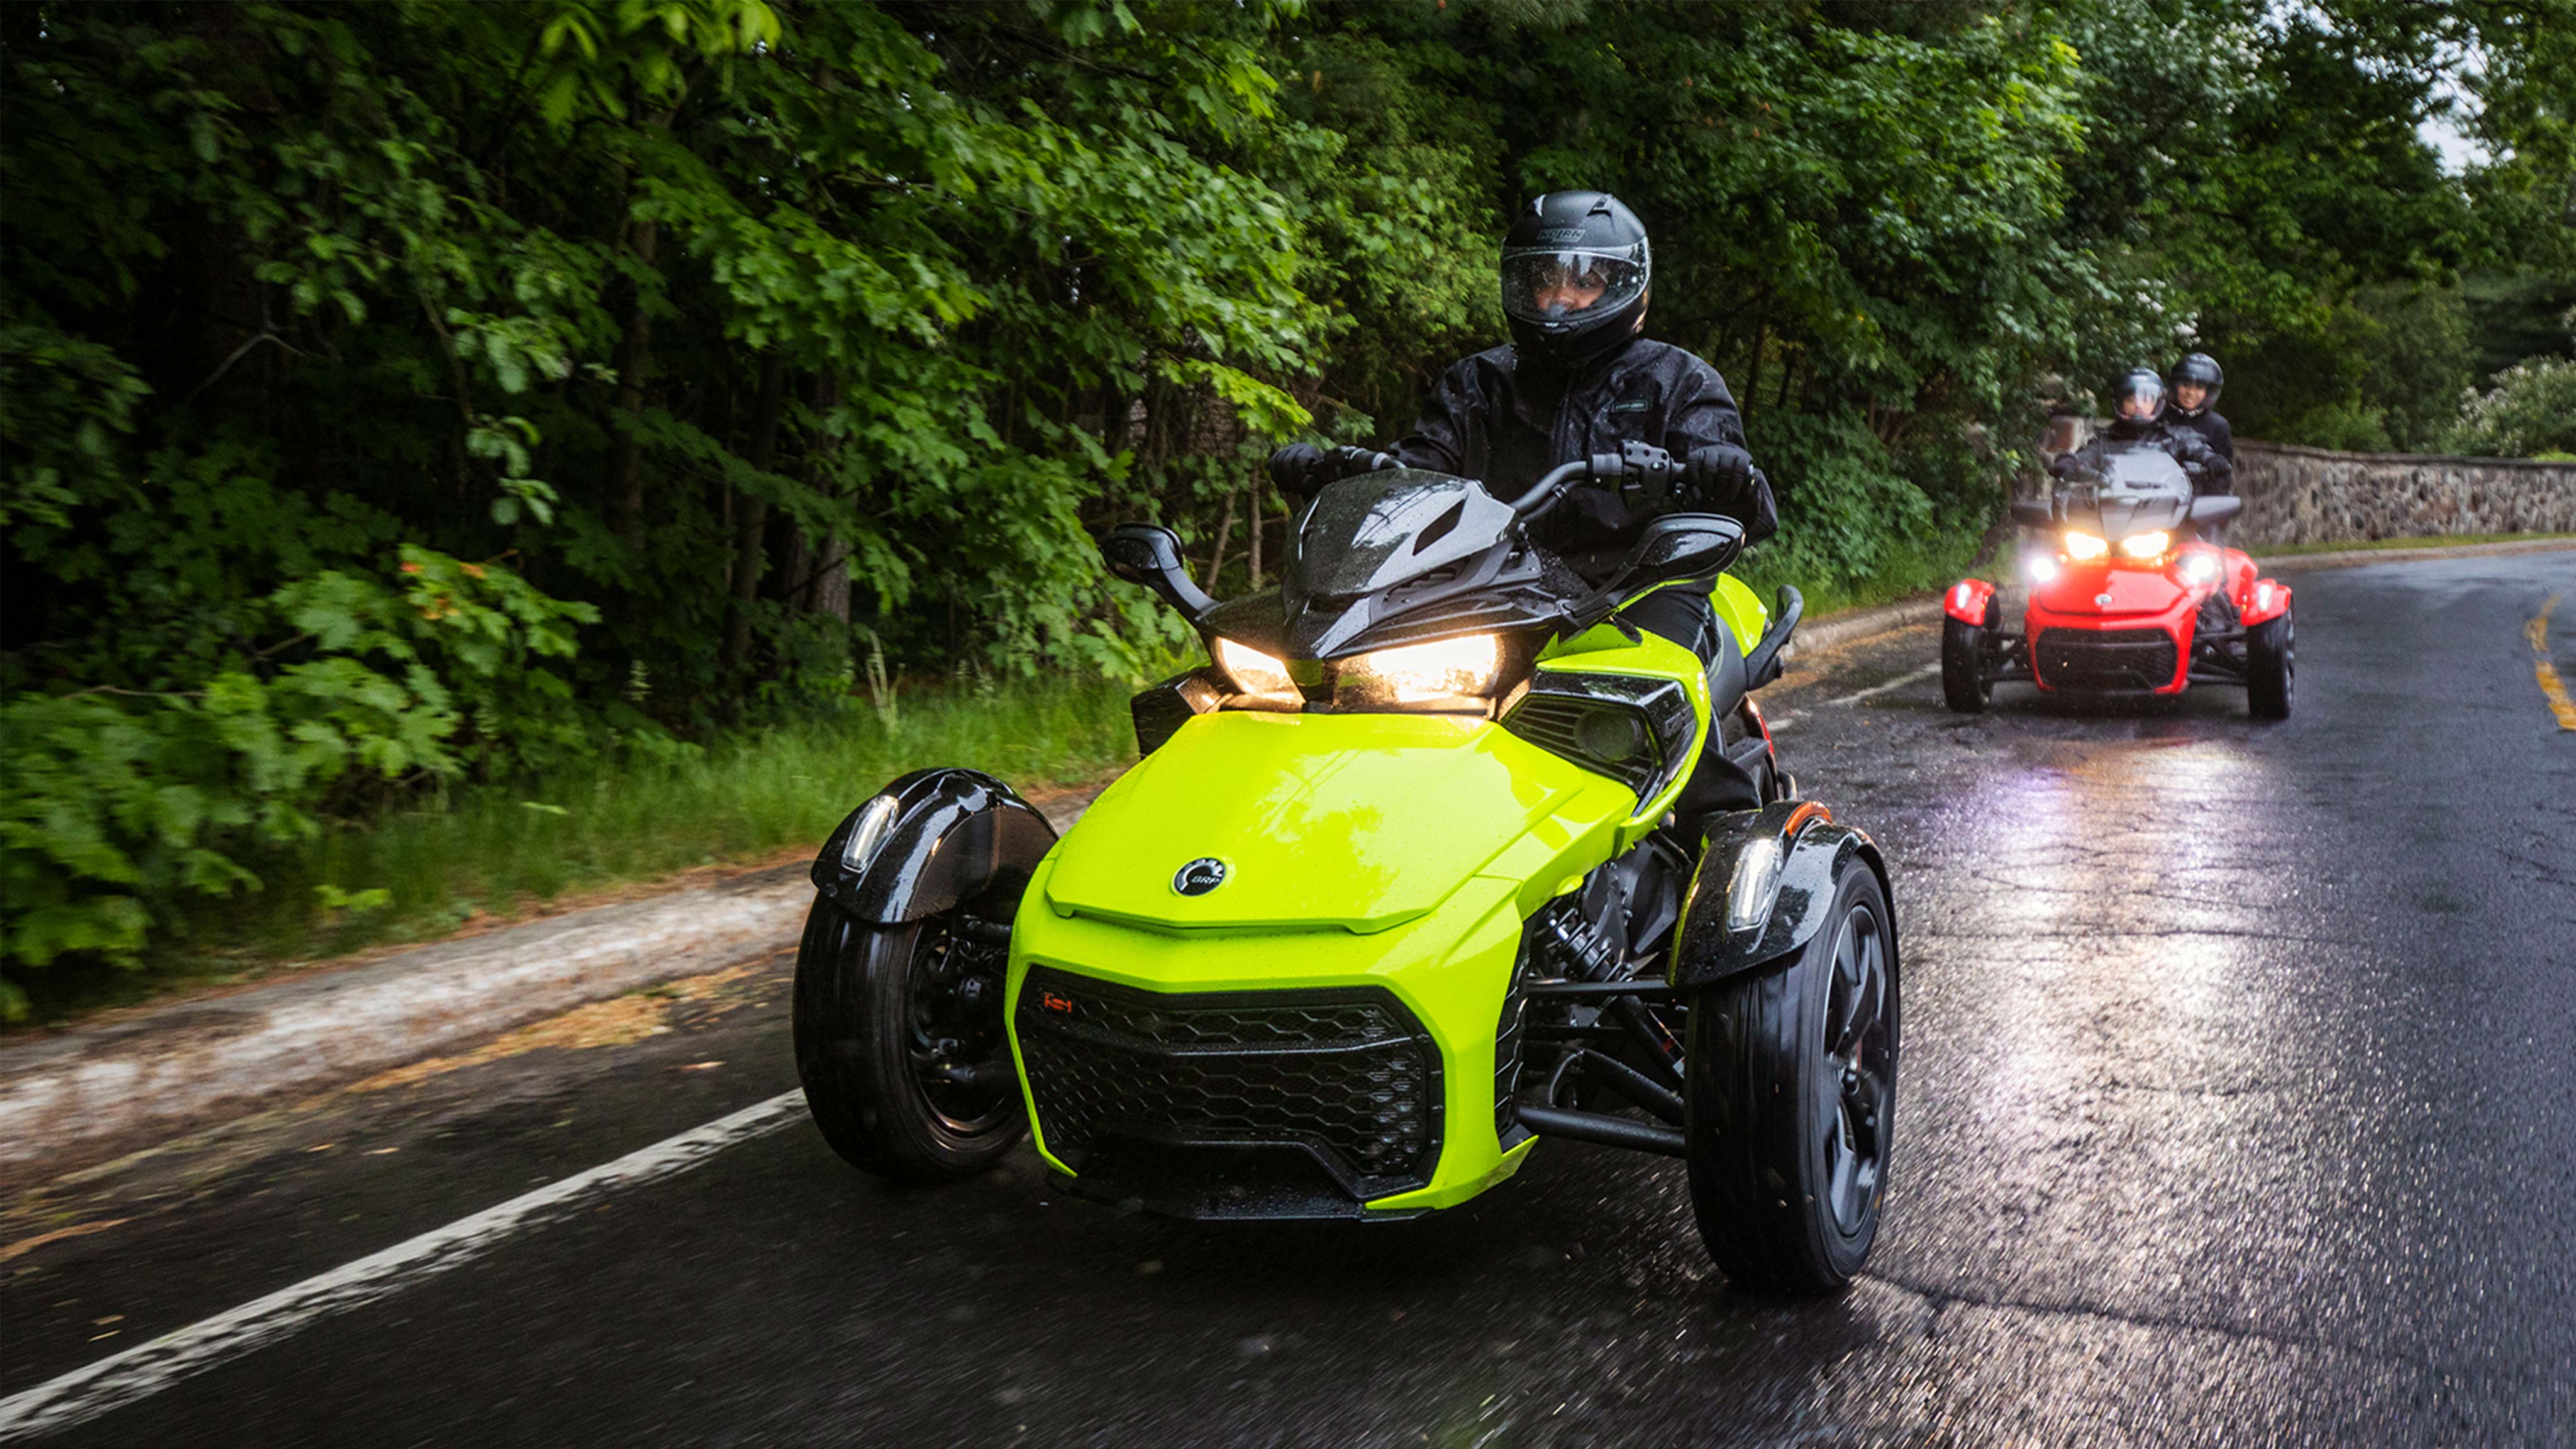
<point>1551,712</point>
<point>957,834</point>
<point>1173,1141</point>
<point>1160,710</point>
<point>1705,950</point>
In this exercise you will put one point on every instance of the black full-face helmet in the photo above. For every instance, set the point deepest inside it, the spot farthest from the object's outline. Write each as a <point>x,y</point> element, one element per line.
<point>1576,271</point>
<point>2137,402</point>
<point>2200,369</point>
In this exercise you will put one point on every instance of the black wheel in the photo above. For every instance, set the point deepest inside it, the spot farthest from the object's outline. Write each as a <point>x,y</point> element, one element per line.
<point>1790,1102</point>
<point>2270,668</point>
<point>900,1045</point>
<point>1964,685</point>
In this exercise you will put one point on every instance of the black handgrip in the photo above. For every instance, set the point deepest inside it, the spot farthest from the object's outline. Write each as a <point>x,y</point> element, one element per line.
<point>1301,469</point>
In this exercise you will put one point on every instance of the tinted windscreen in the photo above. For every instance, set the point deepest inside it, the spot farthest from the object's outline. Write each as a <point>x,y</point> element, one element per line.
<point>2146,470</point>
<point>1373,530</point>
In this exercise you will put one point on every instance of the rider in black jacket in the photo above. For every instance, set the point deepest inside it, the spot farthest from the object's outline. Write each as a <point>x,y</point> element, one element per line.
<point>1579,379</point>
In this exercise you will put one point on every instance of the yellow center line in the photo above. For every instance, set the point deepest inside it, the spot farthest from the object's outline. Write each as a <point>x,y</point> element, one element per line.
<point>2552,688</point>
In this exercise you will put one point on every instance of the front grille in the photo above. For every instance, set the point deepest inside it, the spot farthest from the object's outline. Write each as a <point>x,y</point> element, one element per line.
<point>1348,1076</point>
<point>2104,658</point>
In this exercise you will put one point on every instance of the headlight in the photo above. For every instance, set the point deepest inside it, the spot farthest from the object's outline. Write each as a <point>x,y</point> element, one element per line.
<point>2040,567</point>
<point>2146,545</point>
<point>1252,671</point>
<point>2198,568</point>
<point>2084,546</point>
<point>1443,669</point>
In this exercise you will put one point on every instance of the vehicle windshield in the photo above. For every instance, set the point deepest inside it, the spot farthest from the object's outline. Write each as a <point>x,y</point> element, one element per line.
<point>2145,471</point>
<point>1376,530</point>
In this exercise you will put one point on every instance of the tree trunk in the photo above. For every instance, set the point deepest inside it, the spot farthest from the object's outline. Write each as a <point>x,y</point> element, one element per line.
<point>752,519</point>
<point>1259,521</point>
<point>1224,535</point>
<point>634,353</point>
<point>827,590</point>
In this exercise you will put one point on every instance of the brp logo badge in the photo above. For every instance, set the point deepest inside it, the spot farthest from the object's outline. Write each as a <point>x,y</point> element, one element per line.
<point>1199,876</point>
<point>2102,600</point>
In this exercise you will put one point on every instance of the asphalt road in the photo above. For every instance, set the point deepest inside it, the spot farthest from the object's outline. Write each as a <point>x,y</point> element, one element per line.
<point>2237,1105</point>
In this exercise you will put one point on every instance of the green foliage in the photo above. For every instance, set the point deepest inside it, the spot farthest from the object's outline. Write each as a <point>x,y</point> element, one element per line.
<point>765,352</point>
<point>2529,413</point>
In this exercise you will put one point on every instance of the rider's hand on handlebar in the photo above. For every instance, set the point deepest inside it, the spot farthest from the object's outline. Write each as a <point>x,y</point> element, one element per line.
<point>1717,475</point>
<point>1303,469</point>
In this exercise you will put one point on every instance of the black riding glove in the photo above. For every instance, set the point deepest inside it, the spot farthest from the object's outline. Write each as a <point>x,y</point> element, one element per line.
<point>1297,469</point>
<point>1301,469</point>
<point>1716,477</point>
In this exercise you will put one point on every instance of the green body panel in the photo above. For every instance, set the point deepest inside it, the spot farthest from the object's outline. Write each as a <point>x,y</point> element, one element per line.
<point>1356,821</point>
<point>1741,610</point>
<point>1398,850</point>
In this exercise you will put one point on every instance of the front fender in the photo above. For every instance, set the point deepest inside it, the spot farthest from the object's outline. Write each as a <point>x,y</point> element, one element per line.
<point>954,834</point>
<point>1819,854</point>
<point>1969,601</point>
<point>2267,600</point>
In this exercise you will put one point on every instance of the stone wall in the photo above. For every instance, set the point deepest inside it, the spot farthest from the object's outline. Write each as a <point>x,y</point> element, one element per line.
<point>2311,495</point>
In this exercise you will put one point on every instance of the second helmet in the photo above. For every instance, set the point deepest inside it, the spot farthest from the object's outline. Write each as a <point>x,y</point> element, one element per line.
<point>1576,270</point>
<point>2199,368</point>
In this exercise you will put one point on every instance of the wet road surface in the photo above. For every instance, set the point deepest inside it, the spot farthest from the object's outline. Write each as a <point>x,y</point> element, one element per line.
<point>2237,1104</point>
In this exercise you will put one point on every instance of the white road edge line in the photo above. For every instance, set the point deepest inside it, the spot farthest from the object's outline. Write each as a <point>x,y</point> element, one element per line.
<point>1899,682</point>
<point>148,1368</point>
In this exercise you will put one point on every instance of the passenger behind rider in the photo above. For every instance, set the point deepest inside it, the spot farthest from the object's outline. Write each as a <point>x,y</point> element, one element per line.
<point>2138,416</point>
<point>1579,379</point>
<point>2196,381</point>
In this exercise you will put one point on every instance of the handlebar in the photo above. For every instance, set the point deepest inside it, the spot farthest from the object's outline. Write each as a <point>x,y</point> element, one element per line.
<point>1633,463</point>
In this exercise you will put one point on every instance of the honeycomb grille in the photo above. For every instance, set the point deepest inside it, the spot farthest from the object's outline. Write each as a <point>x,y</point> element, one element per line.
<point>1349,1075</point>
<point>2105,658</point>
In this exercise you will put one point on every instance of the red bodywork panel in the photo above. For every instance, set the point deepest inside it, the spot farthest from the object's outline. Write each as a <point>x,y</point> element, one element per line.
<point>2263,599</point>
<point>1968,601</point>
<point>2127,594</point>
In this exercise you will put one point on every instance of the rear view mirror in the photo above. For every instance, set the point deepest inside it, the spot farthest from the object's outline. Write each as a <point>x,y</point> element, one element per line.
<point>2218,508</point>
<point>1684,545</point>
<point>2032,513</point>
<point>1142,553</point>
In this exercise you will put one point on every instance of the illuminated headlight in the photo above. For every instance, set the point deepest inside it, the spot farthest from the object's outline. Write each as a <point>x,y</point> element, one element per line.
<point>1756,881</point>
<point>2197,568</point>
<point>1415,673</point>
<point>2040,567</point>
<point>875,819</point>
<point>2146,545</point>
<point>2081,546</point>
<point>1254,672</point>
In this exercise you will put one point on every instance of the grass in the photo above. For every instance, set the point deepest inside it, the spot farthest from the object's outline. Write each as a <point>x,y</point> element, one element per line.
<point>2444,540</point>
<point>498,852</point>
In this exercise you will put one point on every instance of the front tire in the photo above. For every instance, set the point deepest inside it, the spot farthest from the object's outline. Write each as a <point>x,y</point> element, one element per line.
<point>1789,1102</point>
<point>2270,668</point>
<point>1964,685</point>
<point>900,1045</point>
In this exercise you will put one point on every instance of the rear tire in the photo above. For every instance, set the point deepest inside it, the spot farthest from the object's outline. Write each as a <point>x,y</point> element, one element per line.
<point>1789,1103</point>
<point>873,1006</point>
<point>1964,685</point>
<point>2270,668</point>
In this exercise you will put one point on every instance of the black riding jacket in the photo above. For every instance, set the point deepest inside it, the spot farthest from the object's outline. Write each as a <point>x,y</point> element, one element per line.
<point>1497,421</point>
<point>2210,470</point>
<point>2212,428</point>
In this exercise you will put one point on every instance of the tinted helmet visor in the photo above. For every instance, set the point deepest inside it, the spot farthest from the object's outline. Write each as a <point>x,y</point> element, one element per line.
<point>1566,287</point>
<point>2142,397</point>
